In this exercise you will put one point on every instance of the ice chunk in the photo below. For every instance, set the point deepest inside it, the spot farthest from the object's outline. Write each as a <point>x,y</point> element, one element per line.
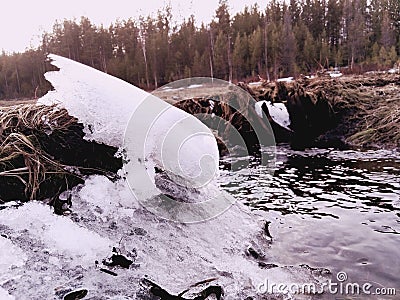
<point>58,233</point>
<point>171,254</point>
<point>154,133</point>
<point>278,112</point>
<point>100,101</point>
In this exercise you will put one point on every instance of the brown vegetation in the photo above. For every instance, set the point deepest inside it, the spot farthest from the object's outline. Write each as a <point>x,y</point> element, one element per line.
<point>43,153</point>
<point>350,111</point>
<point>366,108</point>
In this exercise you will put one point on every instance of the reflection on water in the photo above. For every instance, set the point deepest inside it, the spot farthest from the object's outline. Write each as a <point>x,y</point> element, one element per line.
<point>334,209</point>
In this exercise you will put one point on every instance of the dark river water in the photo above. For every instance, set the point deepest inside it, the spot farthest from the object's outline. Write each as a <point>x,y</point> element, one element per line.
<point>338,210</point>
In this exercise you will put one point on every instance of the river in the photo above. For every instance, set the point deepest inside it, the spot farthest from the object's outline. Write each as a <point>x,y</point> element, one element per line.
<point>332,209</point>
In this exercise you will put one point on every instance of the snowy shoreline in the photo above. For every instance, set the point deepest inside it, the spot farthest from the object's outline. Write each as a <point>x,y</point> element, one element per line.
<point>48,256</point>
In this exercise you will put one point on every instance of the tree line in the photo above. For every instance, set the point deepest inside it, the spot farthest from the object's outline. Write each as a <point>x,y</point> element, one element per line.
<point>282,39</point>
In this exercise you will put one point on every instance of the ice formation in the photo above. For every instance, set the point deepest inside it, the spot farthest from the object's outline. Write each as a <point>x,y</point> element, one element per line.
<point>155,133</point>
<point>45,256</point>
<point>277,111</point>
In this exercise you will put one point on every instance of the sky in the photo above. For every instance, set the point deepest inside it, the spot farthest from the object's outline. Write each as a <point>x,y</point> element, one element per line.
<point>23,22</point>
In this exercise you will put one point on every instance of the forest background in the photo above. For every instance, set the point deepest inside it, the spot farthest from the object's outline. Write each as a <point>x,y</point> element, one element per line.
<point>282,39</point>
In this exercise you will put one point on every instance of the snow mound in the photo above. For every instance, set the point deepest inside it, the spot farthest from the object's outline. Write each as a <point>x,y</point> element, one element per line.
<point>100,101</point>
<point>11,257</point>
<point>278,112</point>
<point>335,74</point>
<point>154,133</point>
<point>173,255</point>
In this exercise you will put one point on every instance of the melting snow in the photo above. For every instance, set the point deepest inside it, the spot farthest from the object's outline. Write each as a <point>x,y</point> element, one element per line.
<point>278,112</point>
<point>168,137</point>
<point>335,74</point>
<point>256,84</point>
<point>59,234</point>
<point>286,79</point>
<point>45,255</point>
<point>59,252</point>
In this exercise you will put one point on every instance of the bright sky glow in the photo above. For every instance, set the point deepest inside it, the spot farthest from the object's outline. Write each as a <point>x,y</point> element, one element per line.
<point>23,22</point>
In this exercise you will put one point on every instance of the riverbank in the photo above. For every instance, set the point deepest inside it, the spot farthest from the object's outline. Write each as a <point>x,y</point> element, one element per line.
<point>347,112</point>
<point>364,111</point>
<point>104,244</point>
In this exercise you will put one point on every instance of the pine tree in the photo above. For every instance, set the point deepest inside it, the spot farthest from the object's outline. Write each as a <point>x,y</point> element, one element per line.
<point>387,38</point>
<point>289,47</point>
<point>240,57</point>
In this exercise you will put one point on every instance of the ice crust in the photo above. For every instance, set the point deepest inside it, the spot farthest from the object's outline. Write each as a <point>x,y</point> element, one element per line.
<point>44,256</point>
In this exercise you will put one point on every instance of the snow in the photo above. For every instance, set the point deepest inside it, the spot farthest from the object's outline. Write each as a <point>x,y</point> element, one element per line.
<point>278,112</point>
<point>119,114</point>
<point>60,235</point>
<point>93,97</point>
<point>194,86</point>
<point>286,79</point>
<point>171,254</point>
<point>310,76</point>
<point>11,256</point>
<point>335,74</point>
<point>212,104</point>
<point>45,254</point>
<point>4,295</point>
<point>256,84</point>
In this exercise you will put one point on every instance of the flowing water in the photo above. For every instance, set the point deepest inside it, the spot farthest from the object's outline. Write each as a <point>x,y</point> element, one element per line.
<point>331,209</point>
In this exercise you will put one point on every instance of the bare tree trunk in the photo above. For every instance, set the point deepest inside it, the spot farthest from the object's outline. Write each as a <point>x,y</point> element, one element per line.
<point>211,54</point>
<point>146,65</point>
<point>266,49</point>
<point>229,58</point>
<point>211,68</point>
<point>19,84</point>
<point>6,82</point>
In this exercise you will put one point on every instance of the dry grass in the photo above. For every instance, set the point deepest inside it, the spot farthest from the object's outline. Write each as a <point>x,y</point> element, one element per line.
<point>371,106</point>
<point>367,107</point>
<point>19,143</point>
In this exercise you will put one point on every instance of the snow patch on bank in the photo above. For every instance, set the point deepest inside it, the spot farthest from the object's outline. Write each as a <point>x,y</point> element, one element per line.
<point>286,79</point>
<point>278,112</point>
